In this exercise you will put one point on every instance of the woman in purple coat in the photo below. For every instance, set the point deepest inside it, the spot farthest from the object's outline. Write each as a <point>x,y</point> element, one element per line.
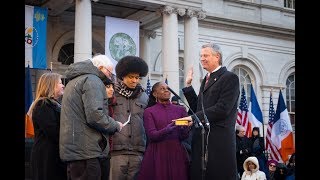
<point>165,156</point>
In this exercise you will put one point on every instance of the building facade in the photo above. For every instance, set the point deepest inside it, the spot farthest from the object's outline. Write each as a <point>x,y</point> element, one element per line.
<point>257,38</point>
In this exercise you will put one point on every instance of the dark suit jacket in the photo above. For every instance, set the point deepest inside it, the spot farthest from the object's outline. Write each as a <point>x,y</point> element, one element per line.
<point>220,101</point>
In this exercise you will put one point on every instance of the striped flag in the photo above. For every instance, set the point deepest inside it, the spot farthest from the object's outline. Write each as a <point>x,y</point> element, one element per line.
<point>255,113</point>
<point>28,99</point>
<point>242,117</point>
<point>273,151</point>
<point>35,37</point>
<point>148,89</point>
<point>281,134</point>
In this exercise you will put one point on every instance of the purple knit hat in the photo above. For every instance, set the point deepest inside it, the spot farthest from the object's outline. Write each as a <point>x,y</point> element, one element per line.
<point>272,161</point>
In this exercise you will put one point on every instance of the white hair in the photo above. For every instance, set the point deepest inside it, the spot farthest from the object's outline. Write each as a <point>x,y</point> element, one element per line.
<point>239,127</point>
<point>101,60</point>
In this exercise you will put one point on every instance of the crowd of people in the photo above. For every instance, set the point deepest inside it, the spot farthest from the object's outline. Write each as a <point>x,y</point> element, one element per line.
<point>104,126</point>
<point>250,151</point>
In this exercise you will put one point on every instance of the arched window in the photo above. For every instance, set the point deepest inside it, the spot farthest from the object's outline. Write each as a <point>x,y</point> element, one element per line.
<point>245,80</point>
<point>290,97</point>
<point>66,54</point>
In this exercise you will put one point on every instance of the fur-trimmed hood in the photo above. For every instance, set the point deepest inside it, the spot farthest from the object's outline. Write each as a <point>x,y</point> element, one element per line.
<point>251,159</point>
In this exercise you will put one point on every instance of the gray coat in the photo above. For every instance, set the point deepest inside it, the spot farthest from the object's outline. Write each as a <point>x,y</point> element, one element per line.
<point>132,138</point>
<point>84,116</point>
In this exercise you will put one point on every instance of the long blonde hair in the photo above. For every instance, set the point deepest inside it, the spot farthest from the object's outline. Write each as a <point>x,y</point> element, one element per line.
<point>45,88</point>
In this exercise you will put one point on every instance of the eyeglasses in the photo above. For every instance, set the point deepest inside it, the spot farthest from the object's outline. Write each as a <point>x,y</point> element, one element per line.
<point>112,76</point>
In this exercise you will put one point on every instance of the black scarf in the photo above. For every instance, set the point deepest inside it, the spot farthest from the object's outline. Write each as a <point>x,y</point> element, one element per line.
<point>123,90</point>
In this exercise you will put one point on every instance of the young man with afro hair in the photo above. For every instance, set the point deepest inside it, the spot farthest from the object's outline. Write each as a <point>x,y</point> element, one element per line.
<point>128,145</point>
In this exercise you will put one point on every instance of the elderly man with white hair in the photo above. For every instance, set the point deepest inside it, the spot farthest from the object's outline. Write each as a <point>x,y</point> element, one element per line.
<point>84,123</point>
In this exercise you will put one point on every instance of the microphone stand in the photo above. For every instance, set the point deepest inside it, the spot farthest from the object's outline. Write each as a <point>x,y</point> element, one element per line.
<point>203,151</point>
<point>203,155</point>
<point>204,146</point>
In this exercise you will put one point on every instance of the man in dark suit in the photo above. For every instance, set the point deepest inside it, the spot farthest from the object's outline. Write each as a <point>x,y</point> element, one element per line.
<point>218,101</point>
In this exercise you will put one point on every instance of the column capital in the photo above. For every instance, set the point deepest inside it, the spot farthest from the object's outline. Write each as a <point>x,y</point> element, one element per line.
<point>201,15</point>
<point>181,11</point>
<point>191,13</point>
<point>168,10</point>
<point>148,33</point>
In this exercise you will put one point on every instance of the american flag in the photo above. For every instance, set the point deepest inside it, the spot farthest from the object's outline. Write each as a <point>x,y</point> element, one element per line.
<point>148,89</point>
<point>273,151</point>
<point>242,117</point>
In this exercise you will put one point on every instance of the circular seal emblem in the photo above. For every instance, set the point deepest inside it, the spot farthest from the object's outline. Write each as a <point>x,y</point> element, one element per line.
<point>31,37</point>
<point>282,127</point>
<point>120,45</point>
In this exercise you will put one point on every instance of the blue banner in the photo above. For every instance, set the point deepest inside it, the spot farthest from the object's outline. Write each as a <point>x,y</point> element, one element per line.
<point>36,37</point>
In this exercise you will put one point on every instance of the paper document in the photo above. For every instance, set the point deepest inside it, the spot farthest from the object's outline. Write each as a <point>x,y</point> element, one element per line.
<point>127,120</point>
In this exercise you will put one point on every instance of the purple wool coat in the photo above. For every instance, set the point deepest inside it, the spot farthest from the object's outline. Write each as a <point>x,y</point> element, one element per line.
<point>165,156</point>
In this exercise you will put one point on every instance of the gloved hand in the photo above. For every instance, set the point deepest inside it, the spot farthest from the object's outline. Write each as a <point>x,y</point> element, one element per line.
<point>170,127</point>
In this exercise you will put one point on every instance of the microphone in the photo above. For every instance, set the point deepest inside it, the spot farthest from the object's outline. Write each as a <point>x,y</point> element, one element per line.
<point>196,117</point>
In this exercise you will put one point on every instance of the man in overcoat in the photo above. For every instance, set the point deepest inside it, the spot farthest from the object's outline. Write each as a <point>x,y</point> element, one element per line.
<point>217,100</point>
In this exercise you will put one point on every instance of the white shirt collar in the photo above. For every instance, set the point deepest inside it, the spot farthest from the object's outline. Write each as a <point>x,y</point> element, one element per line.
<point>216,69</point>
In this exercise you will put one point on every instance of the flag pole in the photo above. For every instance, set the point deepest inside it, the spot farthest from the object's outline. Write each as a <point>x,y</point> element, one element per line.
<point>263,131</point>
<point>267,151</point>
<point>51,66</point>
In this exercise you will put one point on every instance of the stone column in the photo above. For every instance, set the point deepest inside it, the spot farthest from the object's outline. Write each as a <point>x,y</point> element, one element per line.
<point>83,31</point>
<point>170,56</point>
<point>145,36</point>
<point>191,47</point>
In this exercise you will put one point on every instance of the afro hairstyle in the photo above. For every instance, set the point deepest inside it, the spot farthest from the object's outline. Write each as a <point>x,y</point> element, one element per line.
<point>131,64</point>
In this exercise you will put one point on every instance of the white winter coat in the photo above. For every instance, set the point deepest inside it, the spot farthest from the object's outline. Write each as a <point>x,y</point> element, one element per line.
<point>255,174</point>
